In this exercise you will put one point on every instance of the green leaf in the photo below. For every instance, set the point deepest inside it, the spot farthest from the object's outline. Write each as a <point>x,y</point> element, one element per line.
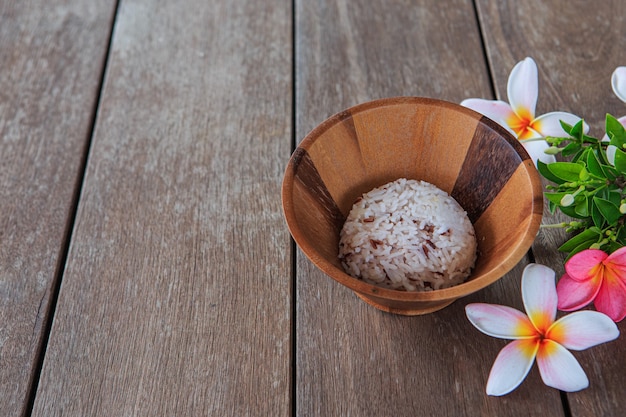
<point>542,167</point>
<point>577,130</point>
<point>615,131</point>
<point>593,165</point>
<point>571,211</point>
<point>620,160</point>
<point>566,127</point>
<point>612,194</point>
<point>590,139</point>
<point>583,175</point>
<point>608,210</point>
<point>571,149</point>
<point>582,206</point>
<point>552,207</point>
<point>613,246</point>
<point>590,235</point>
<point>621,235</point>
<point>596,216</point>
<point>555,198</point>
<point>567,171</point>
<point>601,155</point>
<point>615,197</point>
<point>579,248</point>
<point>610,172</point>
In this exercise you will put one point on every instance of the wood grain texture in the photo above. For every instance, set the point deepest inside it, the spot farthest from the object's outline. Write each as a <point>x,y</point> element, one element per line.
<point>176,295</point>
<point>352,359</point>
<point>575,63</point>
<point>485,169</point>
<point>52,55</point>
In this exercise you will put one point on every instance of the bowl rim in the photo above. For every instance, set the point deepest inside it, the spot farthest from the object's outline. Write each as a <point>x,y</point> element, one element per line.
<point>454,292</point>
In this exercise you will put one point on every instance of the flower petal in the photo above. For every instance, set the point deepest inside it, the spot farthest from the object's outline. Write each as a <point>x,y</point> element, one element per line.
<point>511,366</point>
<point>500,321</point>
<point>585,265</point>
<point>611,299</point>
<point>539,295</point>
<point>582,330</point>
<point>536,150</point>
<point>610,153</point>
<point>549,124</point>
<point>523,88</point>
<point>496,110</point>
<point>618,82</point>
<point>617,259</point>
<point>610,150</point>
<point>559,368</point>
<point>574,295</point>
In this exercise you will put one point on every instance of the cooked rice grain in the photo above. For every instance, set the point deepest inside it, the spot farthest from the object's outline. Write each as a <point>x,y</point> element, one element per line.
<point>408,235</point>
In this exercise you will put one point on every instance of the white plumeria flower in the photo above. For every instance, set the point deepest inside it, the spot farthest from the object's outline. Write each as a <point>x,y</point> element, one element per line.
<point>618,82</point>
<point>519,116</point>
<point>538,335</point>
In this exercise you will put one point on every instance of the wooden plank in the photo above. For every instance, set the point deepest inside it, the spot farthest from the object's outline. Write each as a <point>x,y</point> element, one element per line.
<point>351,359</point>
<point>51,59</point>
<point>176,295</point>
<point>575,64</point>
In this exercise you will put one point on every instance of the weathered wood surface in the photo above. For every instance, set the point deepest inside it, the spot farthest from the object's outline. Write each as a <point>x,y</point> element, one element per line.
<point>52,54</point>
<point>179,296</point>
<point>350,358</point>
<point>575,62</point>
<point>176,295</point>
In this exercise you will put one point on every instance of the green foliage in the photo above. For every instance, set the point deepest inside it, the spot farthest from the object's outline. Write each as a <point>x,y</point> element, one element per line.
<point>589,188</point>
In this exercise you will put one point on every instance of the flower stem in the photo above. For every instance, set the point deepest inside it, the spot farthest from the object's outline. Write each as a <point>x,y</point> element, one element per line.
<point>554,226</point>
<point>532,140</point>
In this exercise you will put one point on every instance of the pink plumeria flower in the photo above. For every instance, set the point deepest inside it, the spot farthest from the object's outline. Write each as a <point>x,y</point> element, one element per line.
<point>618,83</point>
<point>594,276</point>
<point>519,116</point>
<point>538,335</point>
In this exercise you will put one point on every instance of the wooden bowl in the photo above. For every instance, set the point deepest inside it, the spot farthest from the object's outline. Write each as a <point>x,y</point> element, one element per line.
<point>460,151</point>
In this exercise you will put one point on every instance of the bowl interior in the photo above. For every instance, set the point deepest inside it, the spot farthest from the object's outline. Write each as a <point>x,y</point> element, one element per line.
<point>458,150</point>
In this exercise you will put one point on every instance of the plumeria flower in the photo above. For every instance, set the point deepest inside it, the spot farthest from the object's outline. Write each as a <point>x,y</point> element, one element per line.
<point>594,276</point>
<point>618,82</point>
<point>519,116</point>
<point>537,335</point>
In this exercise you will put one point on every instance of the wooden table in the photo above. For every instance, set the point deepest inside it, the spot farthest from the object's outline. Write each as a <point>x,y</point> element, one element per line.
<point>145,266</point>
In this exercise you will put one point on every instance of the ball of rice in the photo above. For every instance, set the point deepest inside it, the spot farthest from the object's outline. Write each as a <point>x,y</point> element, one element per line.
<point>408,235</point>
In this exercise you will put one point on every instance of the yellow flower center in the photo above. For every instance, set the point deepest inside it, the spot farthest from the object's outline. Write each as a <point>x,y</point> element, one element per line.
<point>521,124</point>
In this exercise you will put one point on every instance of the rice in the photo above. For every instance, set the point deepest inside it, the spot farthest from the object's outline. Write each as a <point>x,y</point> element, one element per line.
<point>408,235</point>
